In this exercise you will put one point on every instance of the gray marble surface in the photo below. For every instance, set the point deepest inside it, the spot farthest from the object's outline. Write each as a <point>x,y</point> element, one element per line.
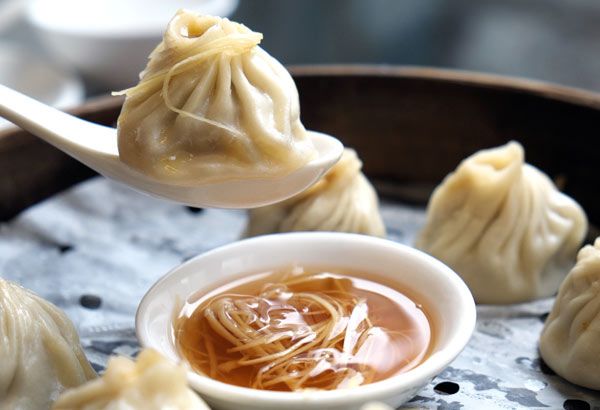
<point>102,239</point>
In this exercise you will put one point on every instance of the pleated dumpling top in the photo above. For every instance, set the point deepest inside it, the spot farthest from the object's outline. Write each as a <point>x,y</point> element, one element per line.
<point>504,227</point>
<point>212,106</point>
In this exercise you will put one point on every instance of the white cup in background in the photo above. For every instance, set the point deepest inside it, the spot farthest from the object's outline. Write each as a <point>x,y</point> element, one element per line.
<point>108,41</point>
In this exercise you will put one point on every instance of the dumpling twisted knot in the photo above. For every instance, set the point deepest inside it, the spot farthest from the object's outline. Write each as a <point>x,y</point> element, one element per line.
<point>502,225</point>
<point>342,201</point>
<point>150,383</point>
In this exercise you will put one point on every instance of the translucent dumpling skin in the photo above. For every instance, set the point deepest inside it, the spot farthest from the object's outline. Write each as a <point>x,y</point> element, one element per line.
<point>40,354</point>
<point>502,225</point>
<point>151,383</point>
<point>342,201</point>
<point>570,340</point>
<point>211,106</point>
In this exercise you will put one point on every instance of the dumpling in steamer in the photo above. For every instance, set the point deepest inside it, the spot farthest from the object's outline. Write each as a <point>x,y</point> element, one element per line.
<point>570,340</point>
<point>212,105</point>
<point>343,201</point>
<point>502,225</point>
<point>151,383</point>
<point>40,354</point>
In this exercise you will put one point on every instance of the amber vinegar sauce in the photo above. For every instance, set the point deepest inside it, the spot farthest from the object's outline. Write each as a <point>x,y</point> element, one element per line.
<point>296,329</point>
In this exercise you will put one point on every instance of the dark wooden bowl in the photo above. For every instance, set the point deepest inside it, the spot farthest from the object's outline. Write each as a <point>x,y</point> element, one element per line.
<point>411,126</point>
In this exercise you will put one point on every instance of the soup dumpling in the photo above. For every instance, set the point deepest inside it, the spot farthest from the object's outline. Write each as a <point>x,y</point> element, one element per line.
<point>212,105</point>
<point>570,340</point>
<point>150,383</point>
<point>502,225</point>
<point>40,354</point>
<point>342,201</point>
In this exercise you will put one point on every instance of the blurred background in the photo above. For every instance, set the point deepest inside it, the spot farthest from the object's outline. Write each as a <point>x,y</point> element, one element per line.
<point>63,51</point>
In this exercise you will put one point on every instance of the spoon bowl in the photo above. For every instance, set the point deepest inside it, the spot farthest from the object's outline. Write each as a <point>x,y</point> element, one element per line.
<point>241,193</point>
<point>96,146</point>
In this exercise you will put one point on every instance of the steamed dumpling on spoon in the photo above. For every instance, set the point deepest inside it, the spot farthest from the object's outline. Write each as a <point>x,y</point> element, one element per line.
<point>212,106</point>
<point>214,122</point>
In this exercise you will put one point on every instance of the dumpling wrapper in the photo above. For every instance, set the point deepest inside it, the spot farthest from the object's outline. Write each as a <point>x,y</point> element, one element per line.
<point>40,353</point>
<point>150,383</point>
<point>212,106</point>
<point>342,201</point>
<point>570,340</point>
<point>502,225</point>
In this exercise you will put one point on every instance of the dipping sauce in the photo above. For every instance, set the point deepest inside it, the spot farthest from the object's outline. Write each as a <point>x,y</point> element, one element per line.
<point>298,329</point>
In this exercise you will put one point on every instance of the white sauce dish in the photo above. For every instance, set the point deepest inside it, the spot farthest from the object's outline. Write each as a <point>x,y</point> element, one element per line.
<point>445,295</point>
<point>109,41</point>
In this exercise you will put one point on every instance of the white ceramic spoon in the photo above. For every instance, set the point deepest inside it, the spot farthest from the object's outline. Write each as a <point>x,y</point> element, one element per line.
<point>96,146</point>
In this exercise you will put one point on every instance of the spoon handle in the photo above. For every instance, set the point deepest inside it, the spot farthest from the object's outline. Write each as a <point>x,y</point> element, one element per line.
<point>81,139</point>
